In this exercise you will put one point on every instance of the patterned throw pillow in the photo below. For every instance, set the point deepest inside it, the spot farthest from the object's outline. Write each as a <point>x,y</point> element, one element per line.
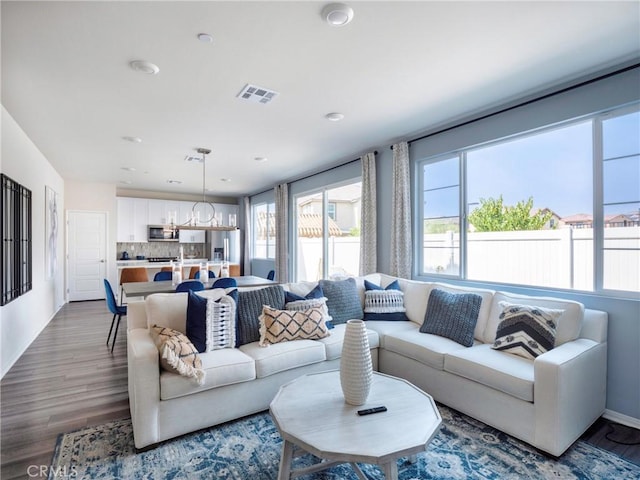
<point>315,298</point>
<point>526,330</point>
<point>177,353</point>
<point>205,320</point>
<point>343,300</point>
<point>384,303</point>
<point>452,315</point>
<point>286,325</point>
<point>249,308</point>
<point>221,323</point>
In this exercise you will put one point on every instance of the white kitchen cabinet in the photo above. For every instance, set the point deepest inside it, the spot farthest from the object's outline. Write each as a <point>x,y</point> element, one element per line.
<point>192,236</point>
<point>132,219</point>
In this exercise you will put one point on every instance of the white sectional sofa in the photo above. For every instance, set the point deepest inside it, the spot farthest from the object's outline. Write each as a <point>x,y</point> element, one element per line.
<point>547,402</point>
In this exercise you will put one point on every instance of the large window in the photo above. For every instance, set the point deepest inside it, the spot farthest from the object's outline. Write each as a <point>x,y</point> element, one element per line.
<point>527,210</point>
<point>327,235</point>
<point>264,230</point>
<point>621,200</point>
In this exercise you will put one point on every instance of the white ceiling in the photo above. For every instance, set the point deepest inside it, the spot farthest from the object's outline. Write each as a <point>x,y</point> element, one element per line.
<point>398,69</point>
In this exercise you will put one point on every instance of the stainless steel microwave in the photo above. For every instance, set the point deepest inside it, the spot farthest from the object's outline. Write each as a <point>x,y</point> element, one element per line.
<point>163,233</point>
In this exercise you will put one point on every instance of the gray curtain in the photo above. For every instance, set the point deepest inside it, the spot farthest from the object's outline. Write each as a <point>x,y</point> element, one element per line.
<point>248,229</point>
<point>369,212</point>
<point>401,250</point>
<point>282,232</point>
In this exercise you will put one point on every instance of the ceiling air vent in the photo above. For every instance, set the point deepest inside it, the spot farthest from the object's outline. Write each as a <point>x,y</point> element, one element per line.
<point>256,94</point>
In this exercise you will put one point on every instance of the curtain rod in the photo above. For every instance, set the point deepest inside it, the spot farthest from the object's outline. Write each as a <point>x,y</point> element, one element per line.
<point>527,102</point>
<point>375,152</point>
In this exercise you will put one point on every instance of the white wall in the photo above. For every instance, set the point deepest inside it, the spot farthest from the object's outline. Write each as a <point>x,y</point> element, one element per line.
<point>24,318</point>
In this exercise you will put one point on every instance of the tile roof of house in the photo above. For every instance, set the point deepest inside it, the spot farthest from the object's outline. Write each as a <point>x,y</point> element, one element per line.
<point>309,225</point>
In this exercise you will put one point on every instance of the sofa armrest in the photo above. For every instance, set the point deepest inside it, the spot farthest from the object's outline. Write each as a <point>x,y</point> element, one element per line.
<point>144,386</point>
<point>570,392</point>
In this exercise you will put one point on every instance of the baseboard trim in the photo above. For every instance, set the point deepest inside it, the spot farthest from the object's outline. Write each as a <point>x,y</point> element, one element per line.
<point>622,419</point>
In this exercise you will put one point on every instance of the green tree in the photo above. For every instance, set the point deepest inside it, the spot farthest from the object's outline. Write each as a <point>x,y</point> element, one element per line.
<point>494,216</point>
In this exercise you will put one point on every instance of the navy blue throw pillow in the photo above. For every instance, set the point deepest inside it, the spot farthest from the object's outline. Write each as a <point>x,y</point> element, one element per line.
<point>197,321</point>
<point>386,304</point>
<point>343,300</point>
<point>249,309</point>
<point>452,315</point>
<point>294,297</point>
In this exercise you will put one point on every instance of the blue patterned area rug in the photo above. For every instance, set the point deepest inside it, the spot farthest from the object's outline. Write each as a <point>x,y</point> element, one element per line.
<point>249,449</point>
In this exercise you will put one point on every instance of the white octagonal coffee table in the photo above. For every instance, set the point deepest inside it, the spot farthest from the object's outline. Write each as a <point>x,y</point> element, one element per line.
<point>311,414</point>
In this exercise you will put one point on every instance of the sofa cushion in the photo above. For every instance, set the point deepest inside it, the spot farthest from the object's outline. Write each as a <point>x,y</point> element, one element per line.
<point>384,328</point>
<point>284,356</point>
<point>452,315</point>
<point>222,367</point>
<point>250,303</point>
<point>167,310</point>
<point>333,342</point>
<point>177,353</point>
<point>425,348</point>
<point>287,325</point>
<point>525,330</point>
<point>568,324</point>
<point>416,295</point>
<point>343,299</point>
<point>384,303</point>
<point>498,370</point>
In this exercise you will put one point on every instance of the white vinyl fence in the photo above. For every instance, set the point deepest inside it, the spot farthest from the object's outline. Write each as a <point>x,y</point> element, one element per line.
<point>561,258</point>
<point>343,257</point>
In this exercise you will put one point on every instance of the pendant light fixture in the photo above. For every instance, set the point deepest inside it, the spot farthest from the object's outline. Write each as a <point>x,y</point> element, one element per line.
<point>202,206</point>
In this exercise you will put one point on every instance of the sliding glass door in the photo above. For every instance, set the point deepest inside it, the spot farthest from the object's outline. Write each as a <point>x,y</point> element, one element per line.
<point>327,233</point>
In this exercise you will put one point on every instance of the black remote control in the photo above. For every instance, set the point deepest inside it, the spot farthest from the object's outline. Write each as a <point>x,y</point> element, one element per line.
<point>369,411</point>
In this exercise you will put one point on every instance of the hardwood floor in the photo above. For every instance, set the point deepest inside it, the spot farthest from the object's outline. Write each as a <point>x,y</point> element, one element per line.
<point>68,379</point>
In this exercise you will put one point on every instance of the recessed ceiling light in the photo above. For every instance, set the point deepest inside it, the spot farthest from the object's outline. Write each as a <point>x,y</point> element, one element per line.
<point>133,139</point>
<point>334,116</point>
<point>144,67</point>
<point>261,159</point>
<point>129,169</point>
<point>174,182</point>
<point>225,179</point>
<point>337,14</point>
<point>205,38</point>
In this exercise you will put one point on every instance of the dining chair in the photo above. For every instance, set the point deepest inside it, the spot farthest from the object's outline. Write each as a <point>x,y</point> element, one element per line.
<point>194,270</point>
<point>225,282</point>
<point>190,285</point>
<point>132,274</point>
<point>271,275</point>
<point>211,274</point>
<point>117,310</point>
<point>162,275</point>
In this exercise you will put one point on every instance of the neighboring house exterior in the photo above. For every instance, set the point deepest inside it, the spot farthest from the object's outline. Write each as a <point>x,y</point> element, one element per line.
<point>585,220</point>
<point>343,207</point>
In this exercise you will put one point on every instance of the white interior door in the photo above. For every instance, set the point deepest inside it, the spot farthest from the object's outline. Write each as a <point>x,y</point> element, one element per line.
<point>86,260</point>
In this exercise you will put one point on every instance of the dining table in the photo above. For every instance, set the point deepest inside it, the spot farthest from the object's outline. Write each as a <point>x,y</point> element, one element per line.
<point>143,289</point>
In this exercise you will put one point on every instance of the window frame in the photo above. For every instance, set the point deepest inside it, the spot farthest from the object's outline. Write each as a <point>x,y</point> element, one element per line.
<point>596,119</point>
<point>254,230</point>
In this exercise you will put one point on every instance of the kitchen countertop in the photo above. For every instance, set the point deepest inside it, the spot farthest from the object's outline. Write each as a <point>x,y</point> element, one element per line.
<point>148,264</point>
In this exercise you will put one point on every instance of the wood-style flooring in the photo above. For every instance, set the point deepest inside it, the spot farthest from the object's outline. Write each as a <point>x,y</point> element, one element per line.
<point>68,379</point>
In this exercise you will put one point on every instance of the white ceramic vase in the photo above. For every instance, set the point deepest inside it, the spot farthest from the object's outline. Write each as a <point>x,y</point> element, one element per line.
<point>356,369</point>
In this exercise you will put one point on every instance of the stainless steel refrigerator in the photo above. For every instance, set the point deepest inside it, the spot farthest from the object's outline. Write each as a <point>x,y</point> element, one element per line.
<point>217,242</point>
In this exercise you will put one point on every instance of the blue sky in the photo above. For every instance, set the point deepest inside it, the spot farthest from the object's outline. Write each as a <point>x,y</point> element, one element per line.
<point>554,167</point>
